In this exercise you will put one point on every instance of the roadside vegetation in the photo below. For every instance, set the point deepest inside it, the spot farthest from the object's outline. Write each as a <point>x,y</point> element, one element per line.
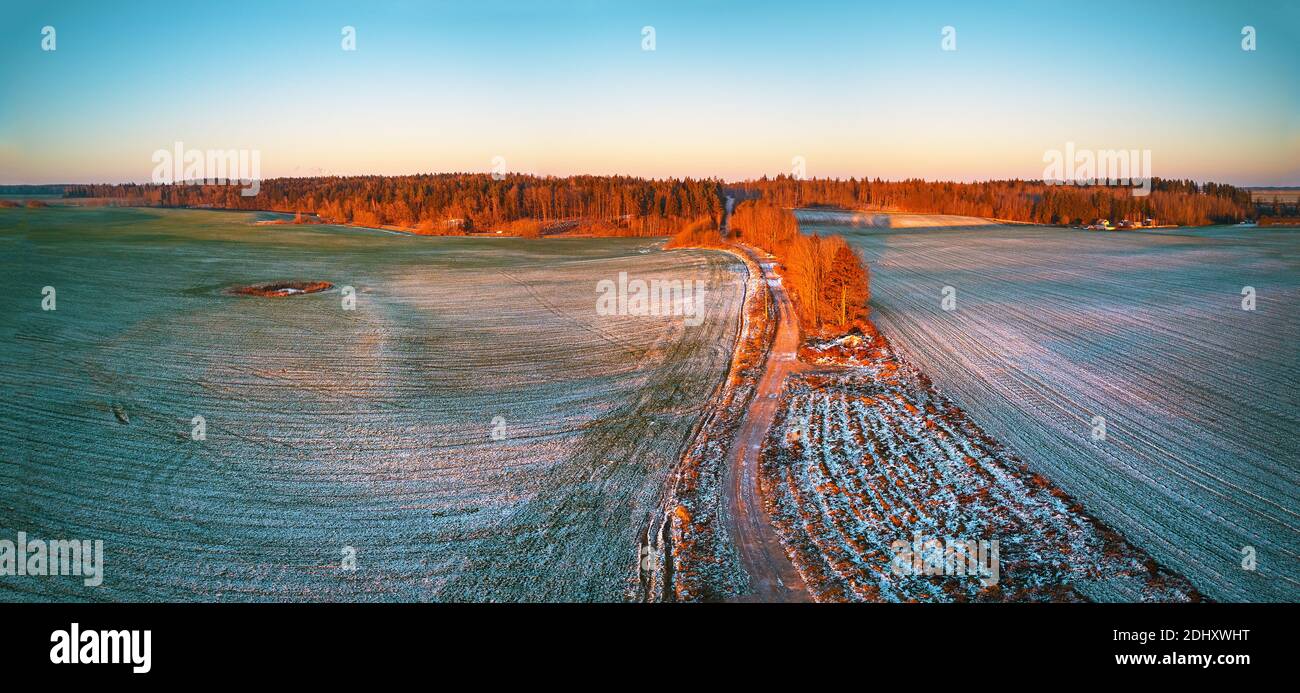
<point>686,553</point>
<point>829,282</point>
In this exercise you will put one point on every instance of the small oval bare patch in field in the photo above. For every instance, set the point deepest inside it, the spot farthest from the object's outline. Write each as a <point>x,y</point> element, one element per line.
<point>281,289</point>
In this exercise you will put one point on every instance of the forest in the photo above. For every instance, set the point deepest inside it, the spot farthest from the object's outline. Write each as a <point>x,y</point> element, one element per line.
<point>1181,202</point>
<point>456,203</point>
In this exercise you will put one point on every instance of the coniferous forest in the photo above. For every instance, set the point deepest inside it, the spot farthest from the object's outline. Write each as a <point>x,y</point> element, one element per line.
<point>625,205</point>
<point>1178,202</point>
<point>455,202</point>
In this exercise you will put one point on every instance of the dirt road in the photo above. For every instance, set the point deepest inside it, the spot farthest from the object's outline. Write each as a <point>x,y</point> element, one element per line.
<point>772,577</point>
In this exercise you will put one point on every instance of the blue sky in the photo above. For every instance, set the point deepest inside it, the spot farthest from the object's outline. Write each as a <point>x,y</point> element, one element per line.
<point>732,89</point>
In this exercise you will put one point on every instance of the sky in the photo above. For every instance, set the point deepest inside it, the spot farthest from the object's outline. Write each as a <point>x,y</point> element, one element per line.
<point>731,90</point>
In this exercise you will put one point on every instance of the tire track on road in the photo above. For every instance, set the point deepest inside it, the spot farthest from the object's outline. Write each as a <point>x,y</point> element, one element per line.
<point>772,577</point>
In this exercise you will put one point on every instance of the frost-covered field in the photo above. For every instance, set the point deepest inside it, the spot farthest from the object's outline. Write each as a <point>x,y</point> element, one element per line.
<point>1054,327</point>
<point>371,429</point>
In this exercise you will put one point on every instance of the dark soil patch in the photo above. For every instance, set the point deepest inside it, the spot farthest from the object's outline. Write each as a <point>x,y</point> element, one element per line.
<point>281,289</point>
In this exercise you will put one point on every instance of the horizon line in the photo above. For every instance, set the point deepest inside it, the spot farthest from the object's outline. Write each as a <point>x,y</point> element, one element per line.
<point>722,179</point>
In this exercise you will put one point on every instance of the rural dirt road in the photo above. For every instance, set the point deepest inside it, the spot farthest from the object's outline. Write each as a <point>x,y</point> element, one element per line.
<point>772,577</point>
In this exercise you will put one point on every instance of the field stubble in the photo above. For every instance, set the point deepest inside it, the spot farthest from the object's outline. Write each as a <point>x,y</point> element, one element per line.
<point>865,454</point>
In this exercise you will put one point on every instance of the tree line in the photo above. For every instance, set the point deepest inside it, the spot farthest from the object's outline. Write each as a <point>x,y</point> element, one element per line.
<point>1181,202</point>
<point>826,278</point>
<point>625,205</point>
<point>455,202</point>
